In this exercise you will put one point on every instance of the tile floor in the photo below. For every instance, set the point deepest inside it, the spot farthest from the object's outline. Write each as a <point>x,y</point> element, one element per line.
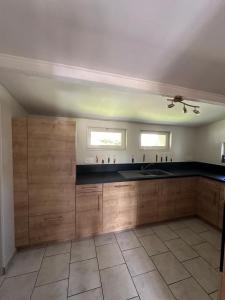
<point>174,260</point>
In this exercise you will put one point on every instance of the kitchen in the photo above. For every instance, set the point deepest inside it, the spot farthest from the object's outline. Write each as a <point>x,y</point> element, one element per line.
<point>112,181</point>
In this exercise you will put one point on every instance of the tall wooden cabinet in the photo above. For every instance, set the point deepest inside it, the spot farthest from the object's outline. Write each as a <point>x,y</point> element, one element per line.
<point>50,158</point>
<point>20,158</point>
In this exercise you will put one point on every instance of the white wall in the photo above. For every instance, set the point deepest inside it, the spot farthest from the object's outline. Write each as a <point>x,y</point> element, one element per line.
<point>183,142</point>
<point>9,108</point>
<point>209,142</point>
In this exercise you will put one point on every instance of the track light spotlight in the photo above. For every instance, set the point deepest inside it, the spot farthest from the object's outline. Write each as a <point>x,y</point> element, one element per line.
<point>171,105</point>
<point>196,111</point>
<point>185,109</point>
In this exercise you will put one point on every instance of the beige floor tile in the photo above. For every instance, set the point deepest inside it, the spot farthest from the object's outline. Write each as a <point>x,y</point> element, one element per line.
<point>209,253</point>
<point>176,225</point>
<point>54,268</point>
<point>127,240</point>
<point>188,289</point>
<point>18,288</point>
<point>205,275</point>
<point>214,296</point>
<point>212,236</point>
<point>138,261</point>
<point>170,268</point>
<point>117,283</point>
<point>2,279</point>
<point>84,276</point>
<point>26,261</point>
<point>58,248</point>
<point>109,256</point>
<point>197,225</point>
<point>53,291</point>
<point>189,236</point>
<point>164,232</point>
<point>181,250</point>
<point>143,230</point>
<point>150,286</point>
<point>90,295</point>
<point>105,239</point>
<point>153,245</point>
<point>82,250</point>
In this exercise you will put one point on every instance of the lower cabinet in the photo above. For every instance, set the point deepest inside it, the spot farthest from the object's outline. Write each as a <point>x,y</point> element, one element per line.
<point>148,201</point>
<point>170,192</point>
<point>120,205</point>
<point>209,193</point>
<point>54,227</point>
<point>88,210</point>
<point>185,202</point>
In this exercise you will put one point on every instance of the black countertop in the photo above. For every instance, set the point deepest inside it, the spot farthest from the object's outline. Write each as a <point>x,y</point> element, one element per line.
<point>91,174</point>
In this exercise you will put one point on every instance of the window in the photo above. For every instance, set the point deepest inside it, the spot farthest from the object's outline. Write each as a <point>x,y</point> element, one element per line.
<point>154,140</point>
<point>106,138</point>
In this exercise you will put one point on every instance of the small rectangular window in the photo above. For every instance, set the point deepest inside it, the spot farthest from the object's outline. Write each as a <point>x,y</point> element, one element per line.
<point>106,138</point>
<point>154,140</point>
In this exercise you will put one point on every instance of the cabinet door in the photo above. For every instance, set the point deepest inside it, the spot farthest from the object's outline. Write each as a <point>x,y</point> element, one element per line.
<point>88,213</point>
<point>55,227</point>
<point>185,204</point>
<point>51,198</point>
<point>221,205</point>
<point>170,193</point>
<point>51,150</point>
<point>208,201</point>
<point>119,205</point>
<point>148,201</point>
<point>19,142</point>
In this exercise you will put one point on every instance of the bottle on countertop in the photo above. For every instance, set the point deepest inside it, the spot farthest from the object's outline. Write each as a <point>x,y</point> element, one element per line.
<point>96,159</point>
<point>156,158</point>
<point>143,159</point>
<point>132,159</point>
<point>108,160</point>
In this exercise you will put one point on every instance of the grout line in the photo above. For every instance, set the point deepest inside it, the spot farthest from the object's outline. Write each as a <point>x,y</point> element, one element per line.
<point>71,244</point>
<point>128,267</point>
<point>38,272</point>
<point>99,273</point>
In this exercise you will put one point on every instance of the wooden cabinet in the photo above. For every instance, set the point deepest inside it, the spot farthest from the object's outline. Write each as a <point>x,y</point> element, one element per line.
<point>222,287</point>
<point>208,199</point>
<point>120,202</point>
<point>88,209</point>
<point>53,227</point>
<point>170,192</point>
<point>44,179</point>
<point>19,140</point>
<point>185,202</point>
<point>51,150</point>
<point>148,201</point>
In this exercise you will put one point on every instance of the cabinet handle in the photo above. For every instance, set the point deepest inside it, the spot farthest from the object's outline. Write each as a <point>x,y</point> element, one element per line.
<point>98,203</point>
<point>121,186</point>
<point>53,219</point>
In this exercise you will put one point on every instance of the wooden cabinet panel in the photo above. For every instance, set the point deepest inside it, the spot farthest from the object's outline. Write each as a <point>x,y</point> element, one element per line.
<point>55,227</point>
<point>222,287</point>
<point>21,218</point>
<point>51,198</point>
<point>149,194</point>
<point>90,188</point>
<point>51,150</point>
<point>208,200</point>
<point>120,205</point>
<point>185,204</point>
<point>88,214</point>
<point>19,141</point>
<point>170,192</point>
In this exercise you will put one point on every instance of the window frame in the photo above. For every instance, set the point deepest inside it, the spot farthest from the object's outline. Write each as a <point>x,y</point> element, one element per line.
<point>123,132</point>
<point>159,132</point>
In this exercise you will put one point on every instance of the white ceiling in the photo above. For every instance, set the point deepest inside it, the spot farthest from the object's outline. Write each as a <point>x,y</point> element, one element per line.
<point>179,42</point>
<point>174,41</point>
<point>67,98</point>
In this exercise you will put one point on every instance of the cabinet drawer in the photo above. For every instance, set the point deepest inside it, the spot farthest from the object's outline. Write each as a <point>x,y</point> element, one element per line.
<point>120,187</point>
<point>53,227</point>
<point>87,202</point>
<point>51,198</point>
<point>88,188</point>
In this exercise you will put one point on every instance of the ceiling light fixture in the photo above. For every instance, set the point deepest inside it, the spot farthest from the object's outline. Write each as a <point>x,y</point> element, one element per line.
<point>171,105</point>
<point>180,99</point>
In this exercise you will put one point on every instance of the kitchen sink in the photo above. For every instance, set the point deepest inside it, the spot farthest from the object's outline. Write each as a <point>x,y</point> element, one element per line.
<point>144,173</point>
